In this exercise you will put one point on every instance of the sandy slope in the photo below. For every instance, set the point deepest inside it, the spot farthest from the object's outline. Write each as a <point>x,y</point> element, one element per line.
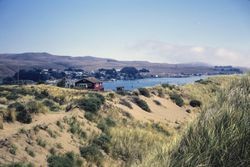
<point>168,112</point>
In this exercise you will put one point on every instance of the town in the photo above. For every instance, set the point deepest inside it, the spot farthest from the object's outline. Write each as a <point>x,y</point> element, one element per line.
<point>81,79</point>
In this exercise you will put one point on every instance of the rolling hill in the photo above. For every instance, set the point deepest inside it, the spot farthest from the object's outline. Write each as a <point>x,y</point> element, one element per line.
<point>10,63</point>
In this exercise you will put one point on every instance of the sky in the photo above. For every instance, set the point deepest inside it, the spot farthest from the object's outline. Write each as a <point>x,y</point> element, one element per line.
<point>215,32</point>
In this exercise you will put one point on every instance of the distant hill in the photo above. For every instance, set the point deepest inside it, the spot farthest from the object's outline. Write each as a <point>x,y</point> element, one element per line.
<point>10,63</point>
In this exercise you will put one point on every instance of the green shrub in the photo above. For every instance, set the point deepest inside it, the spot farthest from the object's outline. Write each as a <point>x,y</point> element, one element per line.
<point>161,93</point>
<point>41,142</point>
<point>105,124</point>
<point>59,146</point>
<point>30,152</point>
<point>69,159</point>
<point>177,99</point>
<point>17,106</point>
<point>51,133</point>
<point>103,142</point>
<point>12,96</point>
<point>24,117</point>
<point>19,164</point>
<point>157,102</point>
<point>75,128</point>
<point>89,116</point>
<point>144,92</point>
<point>202,81</point>
<point>51,105</point>
<point>195,103</point>
<point>166,85</point>
<point>126,103</point>
<point>13,149</point>
<point>110,96</point>
<point>98,96</point>
<point>142,104</point>
<point>90,104</point>
<point>45,93</point>
<point>35,107</point>
<point>92,154</point>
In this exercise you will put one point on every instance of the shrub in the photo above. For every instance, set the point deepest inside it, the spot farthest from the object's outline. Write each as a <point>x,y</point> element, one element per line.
<point>90,104</point>
<point>24,117</point>
<point>89,116</point>
<point>12,96</point>
<point>51,105</point>
<point>41,142</point>
<point>166,85</point>
<point>161,93</point>
<point>157,102</point>
<point>69,159</point>
<point>142,104</point>
<point>105,124</point>
<point>92,154</point>
<point>13,149</point>
<point>35,107</point>
<point>98,96</point>
<point>202,81</point>
<point>17,106</point>
<point>60,99</point>
<point>110,96</point>
<point>103,142</point>
<point>75,128</point>
<point>177,99</point>
<point>144,92</point>
<point>51,133</point>
<point>45,93</point>
<point>59,145</point>
<point>195,103</point>
<point>30,152</point>
<point>126,103</point>
<point>19,164</point>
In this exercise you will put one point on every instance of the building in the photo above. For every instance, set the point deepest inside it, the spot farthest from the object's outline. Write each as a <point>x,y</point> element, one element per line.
<point>89,83</point>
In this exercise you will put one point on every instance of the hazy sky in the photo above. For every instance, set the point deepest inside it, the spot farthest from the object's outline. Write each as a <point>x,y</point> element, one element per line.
<point>171,31</point>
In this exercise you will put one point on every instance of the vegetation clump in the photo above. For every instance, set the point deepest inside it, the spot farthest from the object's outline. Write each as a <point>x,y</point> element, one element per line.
<point>92,154</point>
<point>166,85</point>
<point>68,159</point>
<point>144,92</point>
<point>177,99</point>
<point>126,103</point>
<point>92,103</point>
<point>157,102</point>
<point>142,104</point>
<point>195,103</point>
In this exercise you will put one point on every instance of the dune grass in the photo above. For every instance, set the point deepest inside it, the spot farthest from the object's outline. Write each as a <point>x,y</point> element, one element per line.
<point>220,137</point>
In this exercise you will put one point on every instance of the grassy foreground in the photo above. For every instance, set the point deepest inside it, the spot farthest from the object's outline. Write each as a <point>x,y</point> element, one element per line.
<point>94,131</point>
<point>221,135</point>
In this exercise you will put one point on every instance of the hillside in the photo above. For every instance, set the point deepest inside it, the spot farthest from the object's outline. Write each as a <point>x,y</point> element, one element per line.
<point>10,63</point>
<point>46,125</point>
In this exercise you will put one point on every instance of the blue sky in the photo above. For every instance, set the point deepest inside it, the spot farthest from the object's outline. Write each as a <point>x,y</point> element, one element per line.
<point>171,31</point>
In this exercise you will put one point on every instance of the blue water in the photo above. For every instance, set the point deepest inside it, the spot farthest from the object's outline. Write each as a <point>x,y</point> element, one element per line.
<point>148,82</point>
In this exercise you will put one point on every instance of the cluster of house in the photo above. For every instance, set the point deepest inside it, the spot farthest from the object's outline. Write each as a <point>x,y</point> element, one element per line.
<point>85,83</point>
